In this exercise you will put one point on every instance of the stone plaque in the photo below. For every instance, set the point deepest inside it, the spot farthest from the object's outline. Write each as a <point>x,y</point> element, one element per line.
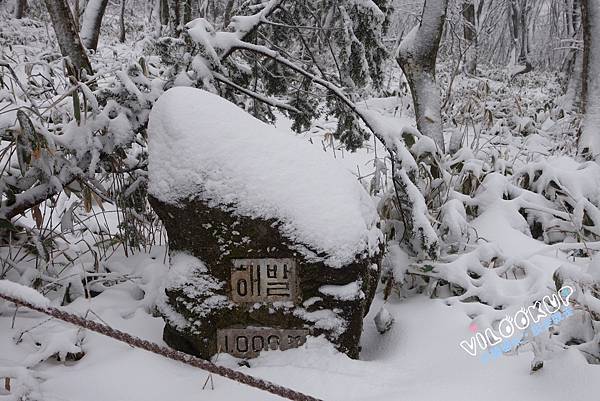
<point>264,280</point>
<point>250,341</point>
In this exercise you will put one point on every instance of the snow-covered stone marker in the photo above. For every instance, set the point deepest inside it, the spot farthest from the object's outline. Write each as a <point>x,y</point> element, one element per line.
<point>270,239</point>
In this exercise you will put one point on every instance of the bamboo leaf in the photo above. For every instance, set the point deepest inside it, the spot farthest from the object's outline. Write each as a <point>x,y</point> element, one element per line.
<point>87,199</point>
<point>76,107</point>
<point>37,216</point>
<point>7,225</point>
<point>66,221</point>
<point>24,146</point>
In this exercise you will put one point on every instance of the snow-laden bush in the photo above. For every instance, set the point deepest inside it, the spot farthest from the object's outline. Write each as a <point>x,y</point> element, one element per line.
<point>73,160</point>
<point>73,170</point>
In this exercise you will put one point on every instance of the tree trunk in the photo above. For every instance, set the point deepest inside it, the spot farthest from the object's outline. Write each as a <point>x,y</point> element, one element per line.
<point>470,35</point>
<point>574,63</point>
<point>526,10</point>
<point>76,16</point>
<point>576,16</point>
<point>519,18</point>
<point>589,139</point>
<point>514,23</point>
<point>68,38</point>
<point>572,99</point>
<point>92,20</point>
<point>180,13</point>
<point>122,22</point>
<point>174,18</point>
<point>417,56</point>
<point>187,11</point>
<point>20,8</point>
<point>164,12</point>
<point>227,15</point>
<point>524,35</point>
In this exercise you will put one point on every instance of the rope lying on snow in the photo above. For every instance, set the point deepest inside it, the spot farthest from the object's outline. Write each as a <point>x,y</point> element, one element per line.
<point>164,351</point>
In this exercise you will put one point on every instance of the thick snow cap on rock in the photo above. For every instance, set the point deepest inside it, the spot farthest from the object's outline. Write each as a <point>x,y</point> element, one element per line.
<point>203,146</point>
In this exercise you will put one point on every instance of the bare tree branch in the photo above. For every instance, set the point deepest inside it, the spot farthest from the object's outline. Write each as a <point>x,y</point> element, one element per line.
<point>255,95</point>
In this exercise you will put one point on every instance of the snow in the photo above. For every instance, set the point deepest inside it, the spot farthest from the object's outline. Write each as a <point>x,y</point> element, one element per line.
<point>23,293</point>
<point>201,31</point>
<point>371,6</point>
<point>187,273</point>
<point>8,118</point>
<point>383,320</point>
<point>325,319</point>
<point>488,246</point>
<point>405,360</point>
<point>92,12</point>
<point>201,145</point>
<point>346,292</point>
<point>579,180</point>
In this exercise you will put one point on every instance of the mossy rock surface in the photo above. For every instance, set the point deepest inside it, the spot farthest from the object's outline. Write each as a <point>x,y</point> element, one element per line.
<point>216,236</point>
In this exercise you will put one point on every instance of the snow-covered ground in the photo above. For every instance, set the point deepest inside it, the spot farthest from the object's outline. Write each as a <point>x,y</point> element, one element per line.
<point>419,359</point>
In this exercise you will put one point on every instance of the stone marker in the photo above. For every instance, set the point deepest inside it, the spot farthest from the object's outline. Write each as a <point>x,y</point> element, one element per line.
<point>244,277</point>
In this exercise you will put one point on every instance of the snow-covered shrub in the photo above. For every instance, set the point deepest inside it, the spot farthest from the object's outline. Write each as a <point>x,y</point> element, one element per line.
<point>23,384</point>
<point>73,160</point>
<point>509,174</point>
<point>583,332</point>
<point>351,57</point>
<point>415,177</point>
<point>572,187</point>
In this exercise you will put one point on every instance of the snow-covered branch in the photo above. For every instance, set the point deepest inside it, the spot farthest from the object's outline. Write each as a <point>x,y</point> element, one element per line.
<point>255,95</point>
<point>246,25</point>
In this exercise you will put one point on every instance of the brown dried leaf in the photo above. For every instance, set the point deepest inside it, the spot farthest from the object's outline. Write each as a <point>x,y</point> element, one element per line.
<point>37,216</point>
<point>87,199</point>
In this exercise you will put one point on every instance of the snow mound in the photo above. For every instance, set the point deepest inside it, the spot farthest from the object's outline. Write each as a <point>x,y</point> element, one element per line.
<point>345,292</point>
<point>20,292</point>
<point>203,146</point>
